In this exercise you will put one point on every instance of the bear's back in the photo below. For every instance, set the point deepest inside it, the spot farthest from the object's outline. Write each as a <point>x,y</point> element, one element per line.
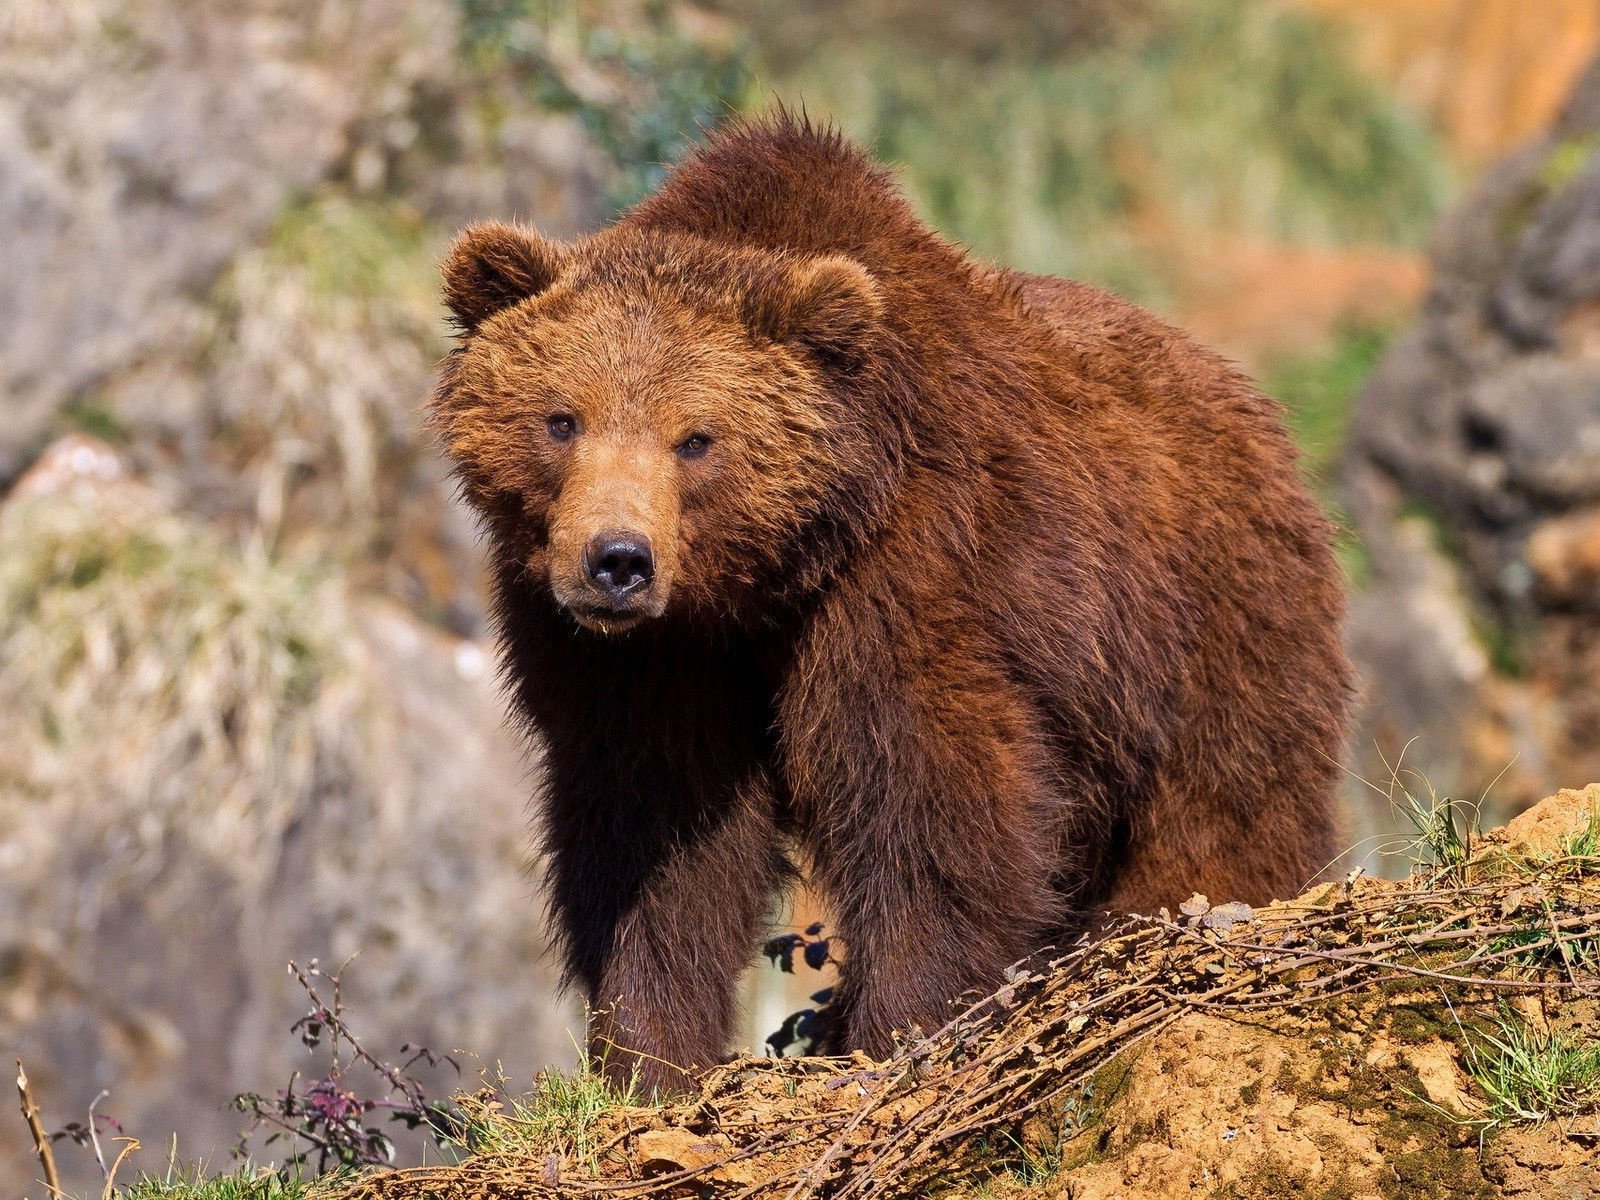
<point>1117,344</point>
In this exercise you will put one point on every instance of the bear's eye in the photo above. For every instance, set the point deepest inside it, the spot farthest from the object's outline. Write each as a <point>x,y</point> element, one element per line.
<point>694,445</point>
<point>562,427</point>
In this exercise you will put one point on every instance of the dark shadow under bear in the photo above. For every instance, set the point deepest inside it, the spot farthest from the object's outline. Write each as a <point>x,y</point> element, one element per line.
<point>994,597</point>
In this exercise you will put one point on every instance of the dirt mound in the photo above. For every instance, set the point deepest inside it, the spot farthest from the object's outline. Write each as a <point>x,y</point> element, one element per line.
<point>1350,1109</point>
<point>1431,1037</point>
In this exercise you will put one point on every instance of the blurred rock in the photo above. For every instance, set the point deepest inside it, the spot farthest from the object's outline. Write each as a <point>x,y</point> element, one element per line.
<point>179,818</point>
<point>1473,477</point>
<point>145,145</point>
<point>1565,556</point>
<point>76,466</point>
<point>140,145</point>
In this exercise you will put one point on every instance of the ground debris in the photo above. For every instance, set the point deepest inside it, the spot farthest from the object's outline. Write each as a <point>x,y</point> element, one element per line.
<point>1319,1041</point>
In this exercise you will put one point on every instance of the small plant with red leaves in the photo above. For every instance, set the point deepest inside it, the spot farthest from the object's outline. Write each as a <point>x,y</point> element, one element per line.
<point>330,1122</point>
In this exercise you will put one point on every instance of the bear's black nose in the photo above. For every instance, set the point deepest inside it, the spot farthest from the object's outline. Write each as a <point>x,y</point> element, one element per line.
<point>620,564</point>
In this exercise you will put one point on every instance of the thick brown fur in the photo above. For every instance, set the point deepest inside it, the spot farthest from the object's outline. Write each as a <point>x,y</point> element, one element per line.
<point>994,597</point>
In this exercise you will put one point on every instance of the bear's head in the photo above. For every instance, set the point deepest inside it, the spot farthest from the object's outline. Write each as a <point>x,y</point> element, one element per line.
<point>653,424</point>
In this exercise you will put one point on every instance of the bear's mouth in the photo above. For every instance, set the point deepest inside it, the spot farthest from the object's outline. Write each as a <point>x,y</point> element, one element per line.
<point>601,619</point>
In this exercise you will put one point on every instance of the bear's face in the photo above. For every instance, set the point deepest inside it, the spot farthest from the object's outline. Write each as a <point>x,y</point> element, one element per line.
<point>652,425</point>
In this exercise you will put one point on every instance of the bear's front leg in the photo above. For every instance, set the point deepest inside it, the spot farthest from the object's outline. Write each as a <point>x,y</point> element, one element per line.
<point>658,896</point>
<point>925,804</point>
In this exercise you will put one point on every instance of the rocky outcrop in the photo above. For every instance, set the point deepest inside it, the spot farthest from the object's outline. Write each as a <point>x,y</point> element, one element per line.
<point>140,146</point>
<point>239,720</point>
<point>1374,1100</point>
<point>1473,478</point>
<point>213,765</point>
<point>159,163</point>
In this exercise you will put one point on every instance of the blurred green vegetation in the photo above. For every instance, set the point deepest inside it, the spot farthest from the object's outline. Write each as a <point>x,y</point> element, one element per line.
<point>1213,117</point>
<point>1319,391</point>
<point>640,81</point>
<point>357,248</point>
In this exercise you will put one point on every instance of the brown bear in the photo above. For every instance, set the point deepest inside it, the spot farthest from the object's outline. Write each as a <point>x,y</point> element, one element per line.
<point>990,599</point>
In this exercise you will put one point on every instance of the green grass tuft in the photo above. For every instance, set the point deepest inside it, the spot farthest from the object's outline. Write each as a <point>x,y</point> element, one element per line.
<point>558,1116</point>
<point>1585,842</point>
<point>1530,1077</point>
<point>247,1182</point>
<point>1447,831</point>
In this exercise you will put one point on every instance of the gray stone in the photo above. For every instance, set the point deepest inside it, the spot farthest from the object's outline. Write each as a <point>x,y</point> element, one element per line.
<point>1479,432</point>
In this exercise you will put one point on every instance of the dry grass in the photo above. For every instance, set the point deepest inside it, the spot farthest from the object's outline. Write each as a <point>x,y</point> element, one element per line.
<point>158,678</point>
<point>213,760</point>
<point>323,350</point>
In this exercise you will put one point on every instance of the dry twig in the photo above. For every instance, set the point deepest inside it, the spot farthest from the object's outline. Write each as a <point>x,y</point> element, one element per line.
<point>41,1140</point>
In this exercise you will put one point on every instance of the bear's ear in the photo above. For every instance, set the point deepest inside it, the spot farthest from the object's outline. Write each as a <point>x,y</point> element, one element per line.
<point>830,305</point>
<point>493,266</point>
